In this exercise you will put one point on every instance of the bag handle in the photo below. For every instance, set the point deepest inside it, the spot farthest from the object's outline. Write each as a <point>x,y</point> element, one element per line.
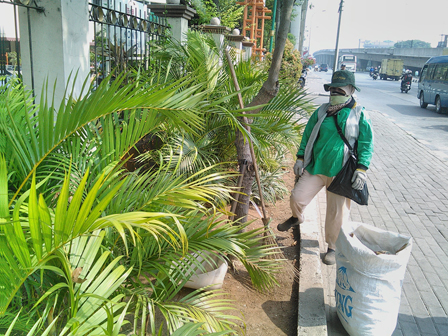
<point>335,118</point>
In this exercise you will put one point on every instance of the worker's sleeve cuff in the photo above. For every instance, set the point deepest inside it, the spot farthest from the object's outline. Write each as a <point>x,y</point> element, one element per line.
<point>360,166</point>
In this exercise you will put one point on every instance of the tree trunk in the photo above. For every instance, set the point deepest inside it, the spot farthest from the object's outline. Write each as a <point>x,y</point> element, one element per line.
<point>277,18</point>
<point>268,91</point>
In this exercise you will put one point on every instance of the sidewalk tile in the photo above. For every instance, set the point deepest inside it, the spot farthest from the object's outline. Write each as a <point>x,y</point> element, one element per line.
<point>409,329</point>
<point>397,332</point>
<point>442,296</point>
<point>433,305</point>
<point>442,328</point>
<point>426,326</point>
<point>419,278</point>
<point>405,313</point>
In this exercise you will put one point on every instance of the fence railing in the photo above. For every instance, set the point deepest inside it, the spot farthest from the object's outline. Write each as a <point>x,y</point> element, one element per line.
<point>10,56</point>
<point>123,37</point>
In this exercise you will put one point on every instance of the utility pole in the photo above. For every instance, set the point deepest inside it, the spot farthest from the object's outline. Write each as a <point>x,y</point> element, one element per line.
<point>302,25</point>
<point>336,51</point>
<point>271,40</point>
<point>309,42</point>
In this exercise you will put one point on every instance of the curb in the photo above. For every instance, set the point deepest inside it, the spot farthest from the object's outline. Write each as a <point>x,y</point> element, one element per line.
<point>312,318</point>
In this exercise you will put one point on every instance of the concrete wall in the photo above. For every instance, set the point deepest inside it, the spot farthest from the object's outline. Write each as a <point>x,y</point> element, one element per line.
<point>59,45</point>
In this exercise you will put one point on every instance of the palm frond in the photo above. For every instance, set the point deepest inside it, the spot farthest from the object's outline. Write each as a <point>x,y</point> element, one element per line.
<point>163,187</point>
<point>272,185</point>
<point>35,140</point>
<point>195,329</point>
<point>219,238</point>
<point>200,306</point>
<point>48,231</point>
<point>166,271</point>
<point>208,310</point>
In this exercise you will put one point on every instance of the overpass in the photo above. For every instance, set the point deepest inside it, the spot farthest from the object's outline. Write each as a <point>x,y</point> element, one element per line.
<point>413,58</point>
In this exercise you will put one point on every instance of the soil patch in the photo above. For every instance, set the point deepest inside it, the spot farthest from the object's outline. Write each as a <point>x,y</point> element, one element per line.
<point>274,312</point>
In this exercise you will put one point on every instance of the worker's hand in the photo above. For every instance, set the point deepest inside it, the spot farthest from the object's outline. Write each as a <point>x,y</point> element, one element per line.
<point>359,179</point>
<point>298,167</point>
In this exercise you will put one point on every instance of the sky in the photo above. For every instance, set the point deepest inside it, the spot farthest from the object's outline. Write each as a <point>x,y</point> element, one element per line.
<point>7,20</point>
<point>375,20</point>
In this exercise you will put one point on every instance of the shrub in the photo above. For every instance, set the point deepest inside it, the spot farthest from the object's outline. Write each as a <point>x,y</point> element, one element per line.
<point>291,64</point>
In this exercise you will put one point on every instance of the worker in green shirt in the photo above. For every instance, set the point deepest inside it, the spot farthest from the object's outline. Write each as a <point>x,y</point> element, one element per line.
<point>322,154</point>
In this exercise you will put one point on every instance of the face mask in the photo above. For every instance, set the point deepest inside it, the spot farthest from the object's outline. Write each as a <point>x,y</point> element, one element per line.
<point>336,100</point>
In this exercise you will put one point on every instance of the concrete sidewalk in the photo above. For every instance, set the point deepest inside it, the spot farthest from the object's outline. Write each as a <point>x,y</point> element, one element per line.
<point>408,188</point>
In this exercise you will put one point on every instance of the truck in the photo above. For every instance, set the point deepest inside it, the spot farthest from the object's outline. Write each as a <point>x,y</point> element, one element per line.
<point>391,68</point>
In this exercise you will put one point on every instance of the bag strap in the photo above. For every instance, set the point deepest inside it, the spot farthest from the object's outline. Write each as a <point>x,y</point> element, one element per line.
<point>335,118</point>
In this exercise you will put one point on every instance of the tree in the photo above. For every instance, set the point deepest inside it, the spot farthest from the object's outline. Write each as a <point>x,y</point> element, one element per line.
<point>267,92</point>
<point>291,67</point>
<point>274,130</point>
<point>79,233</point>
<point>412,44</point>
<point>227,11</point>
<point>292,38</point>
<point>268,22</point>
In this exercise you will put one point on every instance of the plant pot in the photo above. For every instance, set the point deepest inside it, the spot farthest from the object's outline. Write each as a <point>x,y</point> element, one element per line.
<point>213,274</point>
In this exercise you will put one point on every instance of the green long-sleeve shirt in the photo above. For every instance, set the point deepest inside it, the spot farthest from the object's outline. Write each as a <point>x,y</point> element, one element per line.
<point>328,150</point>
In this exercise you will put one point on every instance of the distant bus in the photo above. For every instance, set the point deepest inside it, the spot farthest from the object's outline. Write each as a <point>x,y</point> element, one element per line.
<point>349,61</point>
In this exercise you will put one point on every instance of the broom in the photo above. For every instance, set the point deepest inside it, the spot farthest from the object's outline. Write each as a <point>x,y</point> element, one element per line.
<point>269,238</point>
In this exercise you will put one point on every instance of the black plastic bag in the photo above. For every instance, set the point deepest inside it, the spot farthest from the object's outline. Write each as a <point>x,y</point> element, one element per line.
<point>342,183</point>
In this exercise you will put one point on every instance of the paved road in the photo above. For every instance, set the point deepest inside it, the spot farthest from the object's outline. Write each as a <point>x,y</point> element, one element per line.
<point>408,186</point>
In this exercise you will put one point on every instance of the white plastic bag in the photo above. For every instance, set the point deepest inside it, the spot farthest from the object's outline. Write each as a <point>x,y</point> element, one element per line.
<point>371,264</point>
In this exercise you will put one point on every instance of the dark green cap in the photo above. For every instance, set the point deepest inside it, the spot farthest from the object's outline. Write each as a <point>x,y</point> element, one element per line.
<point>341,78</point>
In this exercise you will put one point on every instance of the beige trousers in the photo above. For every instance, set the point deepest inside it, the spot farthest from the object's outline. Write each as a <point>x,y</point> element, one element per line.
<point>338,207</point>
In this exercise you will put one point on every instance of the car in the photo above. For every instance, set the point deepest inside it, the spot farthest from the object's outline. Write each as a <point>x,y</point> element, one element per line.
<point>323,67</point>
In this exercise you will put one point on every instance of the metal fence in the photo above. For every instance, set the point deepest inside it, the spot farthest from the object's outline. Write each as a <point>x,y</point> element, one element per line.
<point>10,56</point>
<point>6,70</point>
<point>123,36</point>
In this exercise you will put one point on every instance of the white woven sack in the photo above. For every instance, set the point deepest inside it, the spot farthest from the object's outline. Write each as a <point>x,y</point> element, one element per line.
<point>368,284</point>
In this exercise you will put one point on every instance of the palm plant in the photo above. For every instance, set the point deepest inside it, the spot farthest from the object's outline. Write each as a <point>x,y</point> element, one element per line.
<point>83,242</point>
<point>274,131</point>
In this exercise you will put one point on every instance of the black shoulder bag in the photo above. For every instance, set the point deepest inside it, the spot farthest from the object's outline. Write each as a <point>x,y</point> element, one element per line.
<point>342,182</point>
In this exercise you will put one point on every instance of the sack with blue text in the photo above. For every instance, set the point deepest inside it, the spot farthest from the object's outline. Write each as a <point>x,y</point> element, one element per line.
<point>371,264</point>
